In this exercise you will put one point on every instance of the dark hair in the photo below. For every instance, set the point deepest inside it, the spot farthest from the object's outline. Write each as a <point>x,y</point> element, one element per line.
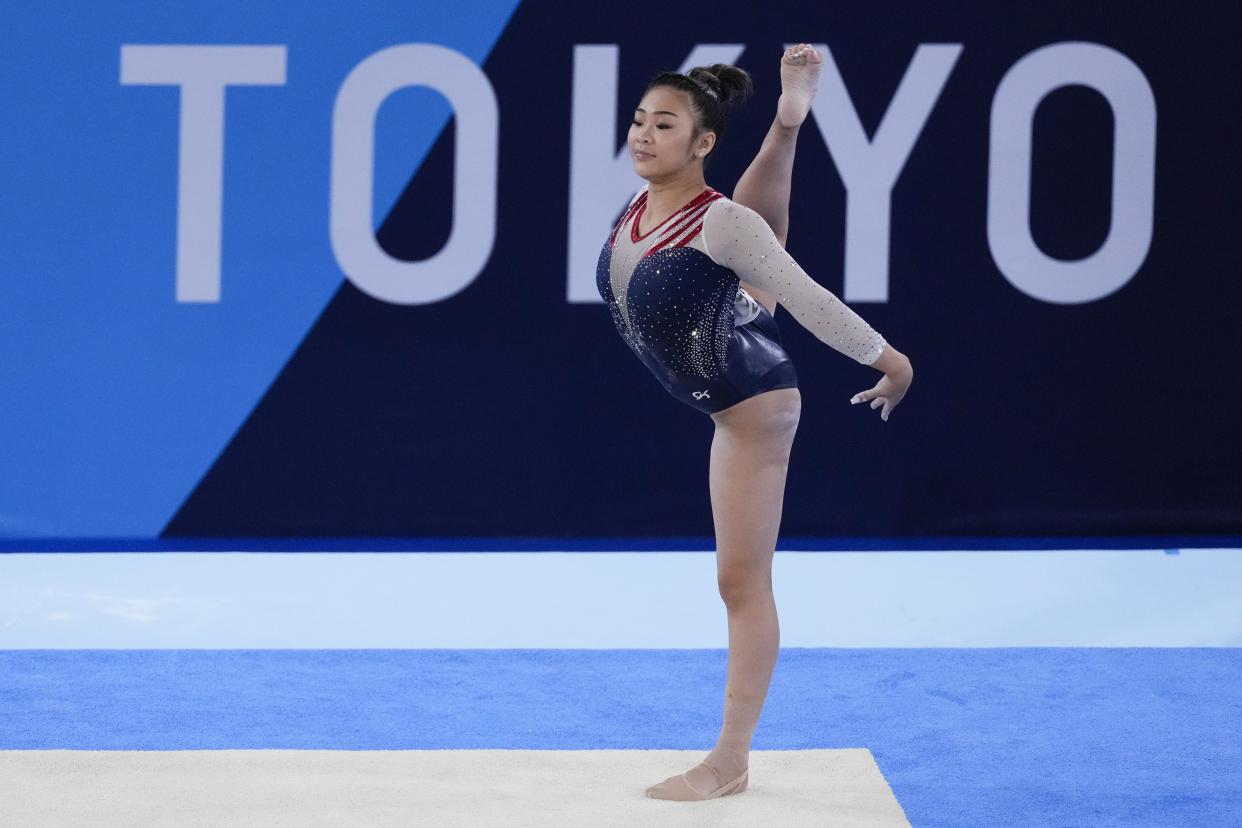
<point>714,91</point>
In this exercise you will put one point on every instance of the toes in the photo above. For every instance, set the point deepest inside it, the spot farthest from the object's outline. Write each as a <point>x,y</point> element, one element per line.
<point>796,54</point>
<point>802,54</point>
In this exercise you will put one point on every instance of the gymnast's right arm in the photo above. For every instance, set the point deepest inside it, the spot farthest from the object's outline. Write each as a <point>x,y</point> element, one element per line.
<point>738,238</point>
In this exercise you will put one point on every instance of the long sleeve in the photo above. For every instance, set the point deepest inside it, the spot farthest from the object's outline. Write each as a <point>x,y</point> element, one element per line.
<point>738,238</point>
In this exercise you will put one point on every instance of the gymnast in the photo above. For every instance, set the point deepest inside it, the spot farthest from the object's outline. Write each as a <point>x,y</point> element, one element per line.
<point>692,280</point>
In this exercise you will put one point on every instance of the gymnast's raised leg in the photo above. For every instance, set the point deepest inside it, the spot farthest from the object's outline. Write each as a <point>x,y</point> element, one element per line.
<point>765,185</point>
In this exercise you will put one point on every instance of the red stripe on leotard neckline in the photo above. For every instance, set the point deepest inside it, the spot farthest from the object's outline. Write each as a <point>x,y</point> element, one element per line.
<point>687,219</point>
<point>706,195</point>
<point>668,241</point>
<point>642,199</point>
<point>687,230</point>
<point>698,229</point>
<point>668,244</point>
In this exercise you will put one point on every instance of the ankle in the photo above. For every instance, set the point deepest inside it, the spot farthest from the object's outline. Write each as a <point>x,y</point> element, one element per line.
<point>729,762</point>
<point>784,128</point>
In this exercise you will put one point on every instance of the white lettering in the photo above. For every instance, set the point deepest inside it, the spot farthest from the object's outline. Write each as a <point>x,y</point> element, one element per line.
<point>470,241</point>
<point>1127,91</point>
<point>869,169</point>
<point>202,72</point>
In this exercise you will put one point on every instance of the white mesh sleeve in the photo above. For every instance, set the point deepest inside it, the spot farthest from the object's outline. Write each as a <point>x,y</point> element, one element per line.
<point>738,238</point>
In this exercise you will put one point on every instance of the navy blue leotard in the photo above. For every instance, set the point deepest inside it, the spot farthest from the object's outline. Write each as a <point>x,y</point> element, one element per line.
<point>675,297</point>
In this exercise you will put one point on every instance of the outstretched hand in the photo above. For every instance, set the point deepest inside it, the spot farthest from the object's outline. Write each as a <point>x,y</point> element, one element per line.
<point>887,392</point>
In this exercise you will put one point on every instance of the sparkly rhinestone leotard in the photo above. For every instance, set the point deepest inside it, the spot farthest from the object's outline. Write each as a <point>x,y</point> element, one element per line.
<point>675,298</point>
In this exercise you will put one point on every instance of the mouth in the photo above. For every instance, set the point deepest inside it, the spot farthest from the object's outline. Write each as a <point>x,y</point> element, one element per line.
<point>639,155</point>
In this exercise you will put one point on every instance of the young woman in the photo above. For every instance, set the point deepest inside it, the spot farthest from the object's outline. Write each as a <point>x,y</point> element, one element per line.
<point>692,280</point>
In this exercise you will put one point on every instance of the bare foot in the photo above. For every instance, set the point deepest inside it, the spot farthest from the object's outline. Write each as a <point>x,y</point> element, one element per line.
<point>800,68</point>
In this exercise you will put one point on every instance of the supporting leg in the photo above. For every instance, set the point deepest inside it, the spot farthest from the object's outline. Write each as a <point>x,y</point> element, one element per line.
<point>749,460</point>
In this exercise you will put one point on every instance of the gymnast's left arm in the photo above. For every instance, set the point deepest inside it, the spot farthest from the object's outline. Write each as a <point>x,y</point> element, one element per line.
<point>738,238</point>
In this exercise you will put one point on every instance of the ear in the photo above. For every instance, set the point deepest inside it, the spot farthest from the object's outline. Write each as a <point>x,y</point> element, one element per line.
<point>706,141</point>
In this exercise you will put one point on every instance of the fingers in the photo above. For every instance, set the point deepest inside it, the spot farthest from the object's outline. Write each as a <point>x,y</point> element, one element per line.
<point>885,403</point>
<point>876,402</point>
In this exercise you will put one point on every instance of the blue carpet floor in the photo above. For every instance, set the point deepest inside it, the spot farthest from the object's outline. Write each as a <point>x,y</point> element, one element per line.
<point>967,737</point>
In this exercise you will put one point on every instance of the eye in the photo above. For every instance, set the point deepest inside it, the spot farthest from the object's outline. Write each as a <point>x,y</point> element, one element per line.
<point>664,126</point>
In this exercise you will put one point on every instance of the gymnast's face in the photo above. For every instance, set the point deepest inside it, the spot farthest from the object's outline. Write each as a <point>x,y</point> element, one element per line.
<point>663,137</point>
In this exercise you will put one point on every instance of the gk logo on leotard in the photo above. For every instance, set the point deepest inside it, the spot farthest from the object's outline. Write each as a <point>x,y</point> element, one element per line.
<point>698,395</point>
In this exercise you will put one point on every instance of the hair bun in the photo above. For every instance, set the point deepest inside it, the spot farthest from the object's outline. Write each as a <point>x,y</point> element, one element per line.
<point>730,83</point>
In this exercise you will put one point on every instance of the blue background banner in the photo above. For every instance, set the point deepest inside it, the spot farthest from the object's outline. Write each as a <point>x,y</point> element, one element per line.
<point>299,405</point>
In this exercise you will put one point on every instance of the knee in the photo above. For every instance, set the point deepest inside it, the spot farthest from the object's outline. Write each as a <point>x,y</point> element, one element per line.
<point>784,413</point>
<point>781,422</point>
<point>742,584</point>
<point>787,415</point>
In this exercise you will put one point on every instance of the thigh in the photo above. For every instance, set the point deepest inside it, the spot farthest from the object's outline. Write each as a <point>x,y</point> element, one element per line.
<point>749,459</point>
